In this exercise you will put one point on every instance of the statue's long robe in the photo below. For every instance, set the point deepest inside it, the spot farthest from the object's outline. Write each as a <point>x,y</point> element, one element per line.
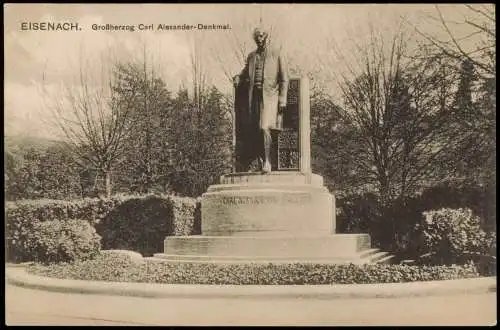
<point>274,93</point>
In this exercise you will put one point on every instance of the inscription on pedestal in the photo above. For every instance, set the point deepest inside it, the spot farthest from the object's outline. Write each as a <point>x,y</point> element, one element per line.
<point>250,200</point>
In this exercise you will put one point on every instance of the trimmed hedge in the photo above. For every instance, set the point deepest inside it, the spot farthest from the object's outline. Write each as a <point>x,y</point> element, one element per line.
<point>122,268</point>
<point>88,209</point>
<point>24,218</point>
<point>141,224</point>
<point>177,215</point>
<point>58,241</point>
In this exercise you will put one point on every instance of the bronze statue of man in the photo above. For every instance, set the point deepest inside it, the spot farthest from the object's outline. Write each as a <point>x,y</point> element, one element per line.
<point>265,81</point>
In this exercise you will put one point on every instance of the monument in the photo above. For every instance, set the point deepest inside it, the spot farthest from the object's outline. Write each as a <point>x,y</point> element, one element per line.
<point>276,210</point>
<point>260,103</point>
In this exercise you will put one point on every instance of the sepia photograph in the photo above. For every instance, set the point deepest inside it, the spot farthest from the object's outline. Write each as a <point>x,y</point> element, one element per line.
<point>250,164</point>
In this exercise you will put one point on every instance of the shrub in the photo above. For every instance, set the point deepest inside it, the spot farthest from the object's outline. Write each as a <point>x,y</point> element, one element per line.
<point>391,227</point>
<point>133,256</point>
<point>88,209</point>
<point>395,227</point>
<point>58,241</point>
<point>454,236</point>
<point>480,199</point>
<point>357,213</point>
<point>138,223</point>
<point>120,268</point>
<point>141,224</point>
<point>24,217</point>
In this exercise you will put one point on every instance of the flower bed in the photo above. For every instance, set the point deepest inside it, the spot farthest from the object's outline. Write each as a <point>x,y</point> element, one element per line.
<point>122,268</point>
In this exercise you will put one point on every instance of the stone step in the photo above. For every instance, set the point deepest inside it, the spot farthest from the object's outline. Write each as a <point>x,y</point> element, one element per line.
<point>385,260</point>
<point>305,247</point>
<point>369,253</point>
<point>160,257</point>
<point>368,256</point>
<point>380,257</point>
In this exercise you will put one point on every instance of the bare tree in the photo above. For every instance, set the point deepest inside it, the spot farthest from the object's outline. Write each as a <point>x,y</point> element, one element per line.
<point>230,50</point>
<point>94,127</point>
<point>198,69</point>
<point>476,43</point>
<point>398,110</point>
<point>468,45</point>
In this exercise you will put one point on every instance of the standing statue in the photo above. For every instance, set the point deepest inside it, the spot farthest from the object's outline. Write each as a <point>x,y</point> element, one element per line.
<point>261,94</point>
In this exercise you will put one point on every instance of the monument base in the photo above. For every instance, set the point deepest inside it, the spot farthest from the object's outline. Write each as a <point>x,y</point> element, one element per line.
<point>280,217</point>
<point>337,249</point>
<point>274,204</point>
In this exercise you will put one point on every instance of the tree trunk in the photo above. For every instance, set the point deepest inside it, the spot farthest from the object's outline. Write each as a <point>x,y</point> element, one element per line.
<point>108,183</point>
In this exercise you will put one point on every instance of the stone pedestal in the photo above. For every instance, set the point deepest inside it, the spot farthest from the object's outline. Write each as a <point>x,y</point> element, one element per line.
<point>279,217</point>
<point>275,204</point>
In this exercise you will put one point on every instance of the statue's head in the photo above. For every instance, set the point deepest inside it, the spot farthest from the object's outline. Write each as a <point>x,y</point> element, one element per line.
<point>260,37</point>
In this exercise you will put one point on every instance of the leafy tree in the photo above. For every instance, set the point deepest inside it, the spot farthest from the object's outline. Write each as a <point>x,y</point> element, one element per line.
<point>59,174</point>
<point>475,118</point>
<point>43,173</point>
<point>201,142</point>
<point>10,174</point>
<point>27,183</point>
<point>150,104</point>
<point>179,144</point>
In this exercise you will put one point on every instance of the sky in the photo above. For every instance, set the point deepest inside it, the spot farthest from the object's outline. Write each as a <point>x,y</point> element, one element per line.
<point>54,58</point>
